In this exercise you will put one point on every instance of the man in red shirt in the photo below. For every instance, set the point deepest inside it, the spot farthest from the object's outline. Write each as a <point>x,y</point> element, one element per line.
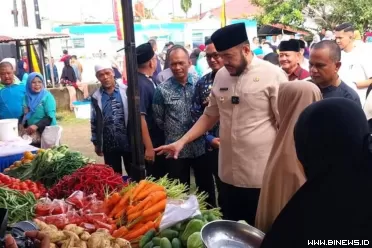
<point>289,59</point>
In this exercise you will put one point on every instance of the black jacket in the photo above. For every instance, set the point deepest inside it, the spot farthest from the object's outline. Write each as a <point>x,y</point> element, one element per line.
<point>98,124</point>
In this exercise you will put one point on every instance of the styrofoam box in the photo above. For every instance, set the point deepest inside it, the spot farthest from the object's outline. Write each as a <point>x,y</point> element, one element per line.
<point>82,109</point>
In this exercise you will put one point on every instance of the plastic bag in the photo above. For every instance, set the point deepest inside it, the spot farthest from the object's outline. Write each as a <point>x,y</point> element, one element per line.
<point>77,199</point>
<point>51,136</point>
<point>59,207</point>
<point>60,220</point>
<point>74,218</point>
<point>179,210</point>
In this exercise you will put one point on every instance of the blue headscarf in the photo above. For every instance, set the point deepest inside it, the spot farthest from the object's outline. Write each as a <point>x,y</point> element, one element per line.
<point>33,99</point>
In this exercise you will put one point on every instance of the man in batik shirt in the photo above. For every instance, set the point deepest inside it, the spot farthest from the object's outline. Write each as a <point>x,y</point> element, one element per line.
<point>171,109</point>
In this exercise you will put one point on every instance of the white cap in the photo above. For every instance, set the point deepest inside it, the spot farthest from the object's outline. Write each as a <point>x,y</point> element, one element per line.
<point>102,66</point>
<point>12,61</point>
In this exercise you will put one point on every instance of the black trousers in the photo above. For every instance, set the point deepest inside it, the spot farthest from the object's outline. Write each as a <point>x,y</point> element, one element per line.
<point>212,160</point>
<point>239,203</point>
<point>180,169</point>
<point>158,168</point>
<point>115,159</point>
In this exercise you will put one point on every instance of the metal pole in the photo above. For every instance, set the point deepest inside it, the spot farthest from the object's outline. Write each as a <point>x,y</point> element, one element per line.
<point>41,61</point>
<point>15,13</point>
<point>51,66</point>
<point>28,49</point>
<point>24,13</point>
<point>37,14</point>
<point>138,170</point>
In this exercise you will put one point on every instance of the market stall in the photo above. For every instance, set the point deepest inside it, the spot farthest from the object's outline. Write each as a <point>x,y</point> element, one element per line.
<point>77,199</point>
<point>82,204</point>
<point>34,42</point>
<point>12,151</point>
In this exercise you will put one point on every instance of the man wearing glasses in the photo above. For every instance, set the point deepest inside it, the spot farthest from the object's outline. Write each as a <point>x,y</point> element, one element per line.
<point>200,101</point>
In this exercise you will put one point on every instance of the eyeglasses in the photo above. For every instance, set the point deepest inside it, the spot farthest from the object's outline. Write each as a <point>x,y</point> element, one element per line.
<point>213,55</point>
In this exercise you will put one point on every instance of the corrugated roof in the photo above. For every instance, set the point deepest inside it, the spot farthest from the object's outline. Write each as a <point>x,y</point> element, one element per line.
<point>24,33</point>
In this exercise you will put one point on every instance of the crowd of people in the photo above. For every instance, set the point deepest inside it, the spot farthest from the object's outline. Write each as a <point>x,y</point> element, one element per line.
<point>279,129</point>
<point>273,135</point>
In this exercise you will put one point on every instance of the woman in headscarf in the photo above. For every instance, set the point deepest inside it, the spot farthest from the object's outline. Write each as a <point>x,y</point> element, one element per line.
<point>332,139</point>
<point>284,174</point>
<point>21,72</point>
<point>39,108</point>
<point>68,77</point>
<point>316,39</point>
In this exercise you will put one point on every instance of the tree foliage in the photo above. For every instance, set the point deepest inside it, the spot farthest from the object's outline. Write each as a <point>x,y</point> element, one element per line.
<point>327,13</point>
<point>186,5</point>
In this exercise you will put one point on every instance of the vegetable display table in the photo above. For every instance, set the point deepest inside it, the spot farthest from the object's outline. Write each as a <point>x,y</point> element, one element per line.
<point>11,152</point>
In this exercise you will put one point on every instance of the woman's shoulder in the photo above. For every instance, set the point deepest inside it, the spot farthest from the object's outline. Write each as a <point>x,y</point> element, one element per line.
<point>48,96</point>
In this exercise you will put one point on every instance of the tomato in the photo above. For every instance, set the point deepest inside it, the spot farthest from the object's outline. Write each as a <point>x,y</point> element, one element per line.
<point>43,209</point>
<point>29,182</point>
<point>76,199</point>
<point>75,219</point>
<point>16,187</point>
<point>33,189</point>
<point>59,207</point>
<point>60,221</point>
<point>23,186</point>
<point>37,195</point>
<point>6,180</point>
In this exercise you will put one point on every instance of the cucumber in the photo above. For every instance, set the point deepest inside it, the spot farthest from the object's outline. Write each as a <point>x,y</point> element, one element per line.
<point>165,243</point>
<point>210,217</point>
<point>178,227</point>
<point>149,245</point>
<point>198,217</point>
<point>156,240</point>
<point>147,238</point>
<point>169,234</point>
<point>176,243</point>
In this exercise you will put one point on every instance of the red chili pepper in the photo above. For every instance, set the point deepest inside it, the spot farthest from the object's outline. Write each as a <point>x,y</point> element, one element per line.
<point>89,179</point>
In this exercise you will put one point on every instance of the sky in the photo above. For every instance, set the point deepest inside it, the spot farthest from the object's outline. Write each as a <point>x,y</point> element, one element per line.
<point>101,10</point>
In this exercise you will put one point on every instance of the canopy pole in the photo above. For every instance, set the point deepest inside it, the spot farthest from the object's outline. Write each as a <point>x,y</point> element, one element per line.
<point>138,170</point>
<point>28,49</point>
<point>41,61</point>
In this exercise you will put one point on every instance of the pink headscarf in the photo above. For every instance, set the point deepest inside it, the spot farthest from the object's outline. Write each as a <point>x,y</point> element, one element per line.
<point>202,47</point>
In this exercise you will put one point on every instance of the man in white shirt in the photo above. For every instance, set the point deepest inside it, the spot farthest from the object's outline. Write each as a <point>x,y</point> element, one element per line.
<point>355,71</point>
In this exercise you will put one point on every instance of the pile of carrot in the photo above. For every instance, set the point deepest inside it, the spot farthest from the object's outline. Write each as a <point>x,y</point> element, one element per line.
<point>139,208</point>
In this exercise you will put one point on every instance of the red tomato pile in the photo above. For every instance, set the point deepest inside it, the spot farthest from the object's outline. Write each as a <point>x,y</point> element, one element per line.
<point>27,186</point>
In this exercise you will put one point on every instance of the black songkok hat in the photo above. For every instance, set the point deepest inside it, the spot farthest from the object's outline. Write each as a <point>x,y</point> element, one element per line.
<point>291,45</point>
<point>144,53</point>
<point>229,36</point>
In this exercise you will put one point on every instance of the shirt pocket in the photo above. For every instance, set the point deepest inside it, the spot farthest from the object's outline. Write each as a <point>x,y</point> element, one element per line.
<point>175,103</point>
<point>255,100</point>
